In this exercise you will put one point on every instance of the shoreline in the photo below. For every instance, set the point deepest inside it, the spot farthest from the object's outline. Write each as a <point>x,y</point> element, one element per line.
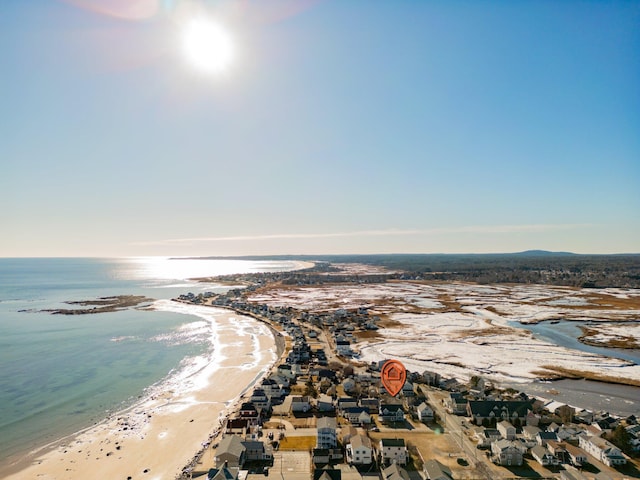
<point>170,428</point>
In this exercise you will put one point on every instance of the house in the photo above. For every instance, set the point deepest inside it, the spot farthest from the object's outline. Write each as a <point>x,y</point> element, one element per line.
<point>603,450</point>
<point>434,470</point>
<point>255,450</point>
<point>327,474</point>
<point>394,472</point>
<point>349,385</point>
<point>322,456</point>
<point>558,450</point>
<point>249,412</point>
<point>286,372</point>
<point>272,388</point>
<point>507,430</point>
<point>543,437</point>
<point>326,430</point>
<point>543,456</point>
<point>498,410</point>
<point>393,450</point>
<point>357,415</point>
<point>346,402</point>
<point>408,389</point>
<point>576,455</point>
<point>359,450</point>
<point>424,412</point>
<point>506,452</point>
<point>260,400</point>
<point>530,433</point>
<point>389,413</point>
<point>373,404</point>
<point>456,404</point>
<point>223,473</point>
<point>324,403</point>
<point>487,436</point>
<point>230,452</point>
<point>300,404</point>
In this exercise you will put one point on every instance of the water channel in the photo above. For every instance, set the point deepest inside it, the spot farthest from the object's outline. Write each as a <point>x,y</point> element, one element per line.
<point>617,399</point>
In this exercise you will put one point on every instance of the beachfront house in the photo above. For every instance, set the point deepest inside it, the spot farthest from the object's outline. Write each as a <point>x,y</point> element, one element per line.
<point>393,450</point>
<point>230,452</point>
<point>359,450</point>
<point>256,450</point>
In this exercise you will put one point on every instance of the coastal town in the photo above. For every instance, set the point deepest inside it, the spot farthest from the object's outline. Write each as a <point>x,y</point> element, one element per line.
<point>323,413</point>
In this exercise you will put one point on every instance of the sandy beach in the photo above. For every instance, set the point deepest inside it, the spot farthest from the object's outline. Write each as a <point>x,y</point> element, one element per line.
<point>161,434</point>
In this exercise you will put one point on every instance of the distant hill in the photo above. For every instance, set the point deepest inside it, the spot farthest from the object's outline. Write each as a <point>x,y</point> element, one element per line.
<point>542,253</point>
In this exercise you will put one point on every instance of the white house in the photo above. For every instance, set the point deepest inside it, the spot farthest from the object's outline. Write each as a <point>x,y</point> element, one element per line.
<point>603,450</point>
<point>507,430</point>
<point>424,412</point>
<point>393,450</point>
<point>506,452</point>
<point>359,450</point>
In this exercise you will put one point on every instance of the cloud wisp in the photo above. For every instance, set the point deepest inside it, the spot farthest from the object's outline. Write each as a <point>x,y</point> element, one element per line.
<point>474,229</point>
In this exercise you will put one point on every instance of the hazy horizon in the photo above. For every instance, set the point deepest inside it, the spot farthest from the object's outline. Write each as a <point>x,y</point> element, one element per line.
<point>318,127</point>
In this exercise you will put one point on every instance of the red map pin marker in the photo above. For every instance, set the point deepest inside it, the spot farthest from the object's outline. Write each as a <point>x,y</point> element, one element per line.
<point>393,376</point>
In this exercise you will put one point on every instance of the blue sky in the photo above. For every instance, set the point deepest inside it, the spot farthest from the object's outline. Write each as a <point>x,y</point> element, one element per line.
<point>339,127</point>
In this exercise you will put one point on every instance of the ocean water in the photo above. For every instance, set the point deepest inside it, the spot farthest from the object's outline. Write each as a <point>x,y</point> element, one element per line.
<point>62,373</point>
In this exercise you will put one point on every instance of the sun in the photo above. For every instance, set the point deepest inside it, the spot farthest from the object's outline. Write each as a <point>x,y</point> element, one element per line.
<point>207,45</point>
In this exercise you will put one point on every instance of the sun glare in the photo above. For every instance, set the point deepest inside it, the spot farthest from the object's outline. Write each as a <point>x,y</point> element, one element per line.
<point>207,45</point>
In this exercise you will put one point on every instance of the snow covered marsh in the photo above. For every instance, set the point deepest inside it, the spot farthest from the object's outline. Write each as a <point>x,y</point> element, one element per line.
<point>461,329</point>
